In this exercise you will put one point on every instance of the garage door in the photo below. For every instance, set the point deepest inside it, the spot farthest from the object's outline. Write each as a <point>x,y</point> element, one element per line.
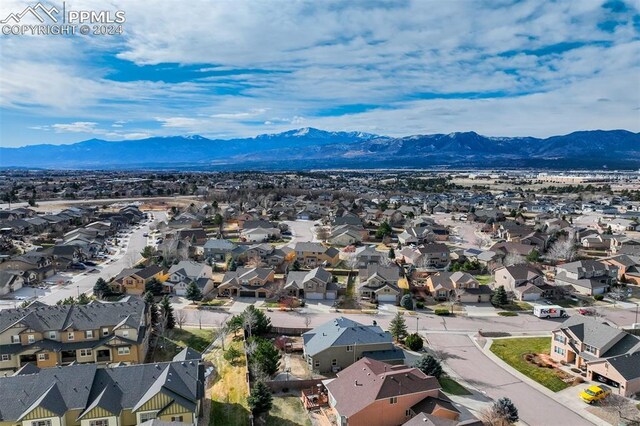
<point>314,296</point>
<point>386,297</point>
<point>331,296</point>
<point>598,290</point>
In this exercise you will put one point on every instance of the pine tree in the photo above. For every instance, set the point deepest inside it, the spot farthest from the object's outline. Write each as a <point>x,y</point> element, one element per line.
<point>153,308</point>
<point>398,327</point>
<point>414,342</point>
<point>429,366</point>
<point>392,254</point>
<point>167,313</point>
<point>260,323</point>
<point>260,401</point>
<point>193,292</point>
<point>407,302</point>
<point>100,288</point>
<point>266,355</point>
<point>506,410</point>
<point>499,298</point>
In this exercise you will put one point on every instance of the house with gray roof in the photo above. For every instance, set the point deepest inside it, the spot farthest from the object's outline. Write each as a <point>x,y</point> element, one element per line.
<point>49,336</point>
<point>218,250</point>
<point>587,276</point>
<point>315,284</point>
<point>380,283</point>
<point>186,272</point>
<point>121,396</point>
<point>340,342</point>
<point>247,282</point>
<point>608,354</point>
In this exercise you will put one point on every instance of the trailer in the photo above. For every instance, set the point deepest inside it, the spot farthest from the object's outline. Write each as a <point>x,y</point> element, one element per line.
<point>552,311</point>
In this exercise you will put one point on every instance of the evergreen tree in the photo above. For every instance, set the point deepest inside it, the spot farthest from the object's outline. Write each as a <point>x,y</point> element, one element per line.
<point>154,286</point>
<point>392,254</point>
<point>383,230</point>
<point>260,401</point>
<point>147,252</point>
<point>499,298</point>
<point>83,299</point>
<point>261,323</point>
<point>233,265</point>
<point>266,355</point>
<point>506,410</point>
<point>235,323</point>
<point>429,366</point>
<point>414,342</point>
<point>295,266</point>
<point>100,288</point>
<point>153,308</point>
<point>167,313</point>
<point>193,292</point>
<point>407,302</point>
<point>398,327</point>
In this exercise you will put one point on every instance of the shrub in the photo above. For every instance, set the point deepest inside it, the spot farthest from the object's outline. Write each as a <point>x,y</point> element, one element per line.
<point>598,297</point>
<point>578,380</point>
<point>442,312</point>
<point>407,302</point>
<point>429,366</point>
<point>507,314</point>
<point>575,370</point>
<point>414,342</point>
<point>231,354</point>
<point>419,305</point>
<point>528,357</point>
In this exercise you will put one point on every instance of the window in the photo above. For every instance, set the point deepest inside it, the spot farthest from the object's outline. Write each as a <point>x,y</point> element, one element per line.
<point>88,334</point>
<point>147,416</point>
<point>43,357</point>
<point>558,350</point>
<point>15,339</point>
<point>52,335</point>
<point>41,423</point>
<point>407,413</point>
<point>124,350</point>
<point>393,400</point>
<point>6,357</point>
<point>316,363</point>
<point>125,333</point>
<point>334,362</point>
<point>71,335</point>
<point>176,418</point>
<point>100,422</point>
<point>590,349</point>
<point>559,338</point>
<point>105,331</point>
<point>85,352</point>
<point>349,348</point>
<point>31,338</point>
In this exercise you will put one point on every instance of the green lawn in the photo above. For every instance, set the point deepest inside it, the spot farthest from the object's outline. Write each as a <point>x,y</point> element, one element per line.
<point>195,338</point>
<point>512,351</point>
<point>516,305</point>
<point>484,279</point>
<point>288,411</point>
<point>229,392</point>
<point>452,387</point>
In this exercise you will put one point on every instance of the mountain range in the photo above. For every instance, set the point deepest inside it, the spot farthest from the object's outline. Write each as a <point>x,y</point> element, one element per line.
<point>310,148</point>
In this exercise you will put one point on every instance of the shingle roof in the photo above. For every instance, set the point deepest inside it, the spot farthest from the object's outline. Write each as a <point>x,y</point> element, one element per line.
<point>342,332</point>
<point>627,365</point>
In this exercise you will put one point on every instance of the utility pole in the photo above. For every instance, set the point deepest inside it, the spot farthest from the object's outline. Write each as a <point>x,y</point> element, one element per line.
<point>417,318</point>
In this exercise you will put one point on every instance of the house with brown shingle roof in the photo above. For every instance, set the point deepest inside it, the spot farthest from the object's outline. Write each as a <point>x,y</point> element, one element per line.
<point>374,393</point>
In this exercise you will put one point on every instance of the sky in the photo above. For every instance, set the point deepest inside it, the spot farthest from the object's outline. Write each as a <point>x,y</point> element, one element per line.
<point>237,68</point>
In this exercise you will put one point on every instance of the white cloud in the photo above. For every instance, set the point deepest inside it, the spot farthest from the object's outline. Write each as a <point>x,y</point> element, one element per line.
<point>76,127</point>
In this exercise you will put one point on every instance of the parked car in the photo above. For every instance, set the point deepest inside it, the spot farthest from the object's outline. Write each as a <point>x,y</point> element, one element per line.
<point>79,266</point>
<point>90,263</point>
<point>594,393</point>
<point>586,311</point>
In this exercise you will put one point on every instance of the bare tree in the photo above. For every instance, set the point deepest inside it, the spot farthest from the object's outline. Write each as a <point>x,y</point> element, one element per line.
<point>221,332</point>
<point>249,320</point>
<point>181,317</point>
<point>323,233</point>
<point>562,249</point>
<point>513,259</point>
<point>625,411</point>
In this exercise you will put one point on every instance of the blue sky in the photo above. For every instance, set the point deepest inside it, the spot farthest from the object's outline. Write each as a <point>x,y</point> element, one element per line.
<point>240,68</point>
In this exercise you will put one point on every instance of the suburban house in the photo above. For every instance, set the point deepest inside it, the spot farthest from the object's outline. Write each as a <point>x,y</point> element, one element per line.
<point>460,285</point>
<point>186,272</point>
<point>628,268</point>
<point>367,255</point>
<point>433,256</point>
<point>315,284</point>
<point>526,282</point>
<point>310,255</point>
<point>106,333</point>
<point>247,282</point>
<point>133,281</point>
<point>380,283</point>
<point>374,393</point>
<point>587,276</point>
<point>35,265</point>
<point>10,281</point>
<point>344,235</point>
<point>218,250</point>
<point>84,395</point>
<point>610,355</point>
<point>337,344</point>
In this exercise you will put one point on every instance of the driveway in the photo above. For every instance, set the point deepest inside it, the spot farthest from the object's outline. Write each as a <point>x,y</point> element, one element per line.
<point>301,231</point>
<point>470,363</point>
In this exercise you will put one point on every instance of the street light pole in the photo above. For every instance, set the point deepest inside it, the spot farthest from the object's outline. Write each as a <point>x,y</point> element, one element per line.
<point>417,318</point>
<point>78,291</point>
